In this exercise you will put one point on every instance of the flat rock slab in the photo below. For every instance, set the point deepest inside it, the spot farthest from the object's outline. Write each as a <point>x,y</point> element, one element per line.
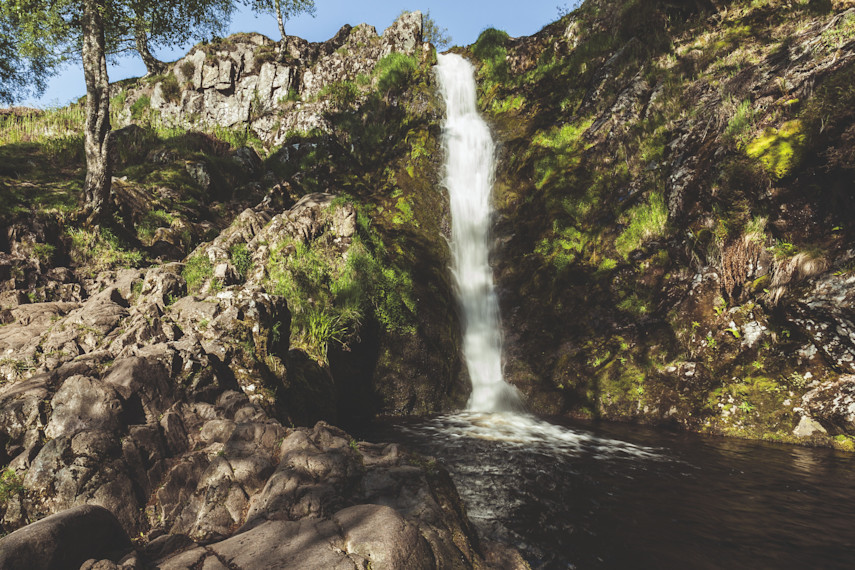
<point>65,540</point>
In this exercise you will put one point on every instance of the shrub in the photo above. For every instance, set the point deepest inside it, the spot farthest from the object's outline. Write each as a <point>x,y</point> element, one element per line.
<point>330,296</point>
<point>170,89</point>
<point>490,44</point>
<point>10,485</point>
<point>187,68</point>
<point>394,71</point>
<point>341,94</point>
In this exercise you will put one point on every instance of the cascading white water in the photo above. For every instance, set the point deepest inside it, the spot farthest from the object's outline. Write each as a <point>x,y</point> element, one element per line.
<point>469,174</point>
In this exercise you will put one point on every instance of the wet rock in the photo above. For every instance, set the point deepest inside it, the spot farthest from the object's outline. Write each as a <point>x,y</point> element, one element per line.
<point>66,540</point>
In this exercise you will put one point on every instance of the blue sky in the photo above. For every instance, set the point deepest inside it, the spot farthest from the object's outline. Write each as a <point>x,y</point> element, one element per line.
<point>464,19</point>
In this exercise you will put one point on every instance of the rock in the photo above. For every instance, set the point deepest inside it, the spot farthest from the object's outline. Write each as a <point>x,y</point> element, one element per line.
<point>65,540</point>
<point>383,538</point>
<point>283,545</point>
<point>808,427</point>
<point>832,404</point>
<point>83,404</point>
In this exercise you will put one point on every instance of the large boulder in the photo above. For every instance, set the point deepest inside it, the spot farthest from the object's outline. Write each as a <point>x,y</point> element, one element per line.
<point>65,540</point>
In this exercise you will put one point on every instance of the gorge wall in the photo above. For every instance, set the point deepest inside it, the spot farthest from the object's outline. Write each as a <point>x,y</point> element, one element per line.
<point>676,194</point>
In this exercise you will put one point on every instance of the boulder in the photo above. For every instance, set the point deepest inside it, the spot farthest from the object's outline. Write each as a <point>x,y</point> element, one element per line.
<point>65,540</point>
<point>832,404</point>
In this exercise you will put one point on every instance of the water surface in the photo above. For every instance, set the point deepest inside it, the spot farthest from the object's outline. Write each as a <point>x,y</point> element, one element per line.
<point>618,496</point>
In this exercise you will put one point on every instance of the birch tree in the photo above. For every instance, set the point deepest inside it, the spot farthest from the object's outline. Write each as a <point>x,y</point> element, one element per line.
<point>53,31</point>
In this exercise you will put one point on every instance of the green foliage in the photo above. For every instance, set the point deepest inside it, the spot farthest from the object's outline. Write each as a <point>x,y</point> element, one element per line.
<point>779,150</point>
<point>197,271</point>
<point>490,44</point>
<point>395,70</point>
<point>284,10</point>
<point>151,221</point>
<point>170,89</point>
<point>65,150</point>
<point>241,259</point>
<point>490,49</point>
<point>44,252</point>
<point>10,485</point>
<point>342,94</point>
<point>140,107</point>
<point>330,296</point>
<point>646,221</point>
<point>187,68</point>
<point>433,33</point>
<point>740,125</point>
<point>100,249</point>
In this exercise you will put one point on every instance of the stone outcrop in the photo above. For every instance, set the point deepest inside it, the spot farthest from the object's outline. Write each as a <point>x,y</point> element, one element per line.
<point>241,81</point>
<point>162,409</point>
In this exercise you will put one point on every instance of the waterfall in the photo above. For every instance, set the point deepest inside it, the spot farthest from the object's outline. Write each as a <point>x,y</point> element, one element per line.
<point>469,174</point>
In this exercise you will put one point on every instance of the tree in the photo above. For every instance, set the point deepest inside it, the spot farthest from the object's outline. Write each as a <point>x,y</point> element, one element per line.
<point>19,75</point>
<point>160,26</point>
<point>52,31</point>
<point>284,10</point>
<point>431,32</point>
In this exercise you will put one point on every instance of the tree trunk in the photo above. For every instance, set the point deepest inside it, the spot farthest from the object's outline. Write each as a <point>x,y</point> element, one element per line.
<point>277,7</point>
<point>99,170</point>
<point>153,65</point>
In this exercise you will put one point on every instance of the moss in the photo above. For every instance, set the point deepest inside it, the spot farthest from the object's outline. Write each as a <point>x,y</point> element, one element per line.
<point>779,150</point>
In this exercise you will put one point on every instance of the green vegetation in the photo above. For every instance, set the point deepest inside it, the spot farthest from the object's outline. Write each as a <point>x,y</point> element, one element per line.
<point>330,297</point>
<point>10,485</point>
<point>100,249</point>
<point>341,94</point>
<point>140,107</point>
<point>241,259</point>
<point>646,222</point>
<point>490,49</point>
<point>197,271</point>
<point>395,70</point>
<point>170,89</point>
<point>779,150</point>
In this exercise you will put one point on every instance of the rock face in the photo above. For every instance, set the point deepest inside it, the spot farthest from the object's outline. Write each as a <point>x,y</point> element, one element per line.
<point>241,81</point>
<point>663,254</point>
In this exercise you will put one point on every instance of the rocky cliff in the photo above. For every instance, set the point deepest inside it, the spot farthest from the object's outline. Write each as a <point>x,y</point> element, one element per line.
<point>676,193</point>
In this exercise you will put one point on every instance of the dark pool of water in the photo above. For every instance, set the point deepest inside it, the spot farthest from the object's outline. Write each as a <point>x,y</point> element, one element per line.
<point>618,496</point>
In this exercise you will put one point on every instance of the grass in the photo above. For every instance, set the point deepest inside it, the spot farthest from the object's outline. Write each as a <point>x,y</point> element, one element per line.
<point>197,271</point>
<point>100,249</point>
<point>395,70</point>
<point>646,221</point>
<point>331,296</point>
<point>241,259</point>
